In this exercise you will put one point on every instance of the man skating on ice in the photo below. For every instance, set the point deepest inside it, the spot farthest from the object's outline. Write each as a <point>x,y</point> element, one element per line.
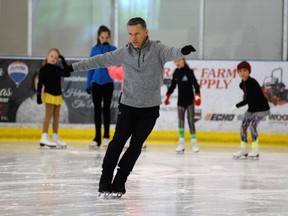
<point>142,61</point>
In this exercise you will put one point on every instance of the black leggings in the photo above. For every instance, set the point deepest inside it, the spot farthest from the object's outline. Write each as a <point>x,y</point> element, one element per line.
<point>102,93</point>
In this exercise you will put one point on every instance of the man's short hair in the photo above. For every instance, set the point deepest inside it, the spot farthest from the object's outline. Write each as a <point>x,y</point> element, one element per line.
<point>136,21</point>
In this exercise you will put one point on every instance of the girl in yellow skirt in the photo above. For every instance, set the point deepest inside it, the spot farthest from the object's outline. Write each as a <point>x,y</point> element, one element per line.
<point>49,92</point>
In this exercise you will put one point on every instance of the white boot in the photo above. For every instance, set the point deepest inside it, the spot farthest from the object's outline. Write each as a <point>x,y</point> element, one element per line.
<point>194,144</point>
<point>58,142</point>
<point>255,150</point>
<point>242,152</point>
<point>181,146</point>
<point>45,141</point>
<point>254,154</point>
<point>105,142</point>
<point>93,145</point>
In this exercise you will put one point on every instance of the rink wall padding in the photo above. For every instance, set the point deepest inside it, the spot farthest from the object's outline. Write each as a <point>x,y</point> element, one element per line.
<point>218,80</point>
<point>157,136</point>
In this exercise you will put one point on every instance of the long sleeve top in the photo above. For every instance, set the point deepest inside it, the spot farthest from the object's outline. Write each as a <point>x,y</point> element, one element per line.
<point>50,78</point>
<point>187,83</point>
<point>253,96</point>
<point>143,70</point>
<point>100,75</point>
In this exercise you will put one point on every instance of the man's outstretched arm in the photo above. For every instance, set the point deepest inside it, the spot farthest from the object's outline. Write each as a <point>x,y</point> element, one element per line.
<point>98,61</point>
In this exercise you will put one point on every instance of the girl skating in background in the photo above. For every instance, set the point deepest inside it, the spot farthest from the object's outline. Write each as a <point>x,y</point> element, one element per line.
<point>50,81</point>
<point>185,79</point>
<point>258,108</point>
<point>101,85</point>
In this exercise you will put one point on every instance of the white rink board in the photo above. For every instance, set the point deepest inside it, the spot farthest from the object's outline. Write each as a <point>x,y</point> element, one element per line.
<point>220,90</point>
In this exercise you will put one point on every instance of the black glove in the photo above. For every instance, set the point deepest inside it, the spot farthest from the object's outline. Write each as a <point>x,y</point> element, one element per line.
<point>61,57</point>
<point>64,63</point>
<point>39,99</point>
<point>88,90</point>
<point>66,71</point>
<point>186,50</point>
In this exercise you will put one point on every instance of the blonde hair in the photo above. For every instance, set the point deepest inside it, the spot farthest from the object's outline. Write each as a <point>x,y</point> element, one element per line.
<point>52,49</point>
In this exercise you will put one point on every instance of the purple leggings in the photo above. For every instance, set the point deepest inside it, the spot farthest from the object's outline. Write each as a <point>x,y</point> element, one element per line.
<point>253,123</point>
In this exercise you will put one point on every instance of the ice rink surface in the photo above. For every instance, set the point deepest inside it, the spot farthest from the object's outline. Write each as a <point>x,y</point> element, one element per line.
<point>36,181</point>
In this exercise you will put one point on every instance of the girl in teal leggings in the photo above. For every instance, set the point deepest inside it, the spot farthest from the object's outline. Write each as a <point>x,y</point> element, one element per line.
<point>188,97</point>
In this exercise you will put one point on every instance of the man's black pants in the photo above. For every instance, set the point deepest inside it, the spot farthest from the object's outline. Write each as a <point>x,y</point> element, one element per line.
<point>137,123</point>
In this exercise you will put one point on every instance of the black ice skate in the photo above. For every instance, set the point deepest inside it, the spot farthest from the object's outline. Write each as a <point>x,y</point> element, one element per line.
<point>104,191</point>
<point>119,185</point>
<point>119,191</point>
<point>105,186</point>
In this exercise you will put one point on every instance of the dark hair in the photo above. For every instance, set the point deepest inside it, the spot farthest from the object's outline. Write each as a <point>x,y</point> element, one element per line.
<point>186,63</point>
<point>136,21</point>
<point>101,29</point>
<point>244,64</point>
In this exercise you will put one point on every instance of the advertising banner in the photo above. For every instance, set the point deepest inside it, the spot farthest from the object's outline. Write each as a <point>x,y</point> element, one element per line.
<point>18,83</point>
<point>219,82</point>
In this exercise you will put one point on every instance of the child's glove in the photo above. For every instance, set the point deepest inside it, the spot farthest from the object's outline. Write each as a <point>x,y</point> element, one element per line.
<point>64,63</point>
<point>39,99</point>
<point>66,71</point>
<point>62,58</point>
<point>197,100</point>
<point>166,101</point>
<point>186,50</point>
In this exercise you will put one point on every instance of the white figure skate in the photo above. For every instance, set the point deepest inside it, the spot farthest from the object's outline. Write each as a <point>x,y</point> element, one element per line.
<point>254,155</point>
<point>93,145</point>
<point>60,144</point>
<point>181,146</point>
<point>105,142</point>
<point>144,146</point>
<point>194,144</point>
<point>242,153</point>
<point>45,141</point>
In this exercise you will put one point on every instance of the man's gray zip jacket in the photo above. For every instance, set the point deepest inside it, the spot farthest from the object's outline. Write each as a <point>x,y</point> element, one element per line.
<point>143,70</point>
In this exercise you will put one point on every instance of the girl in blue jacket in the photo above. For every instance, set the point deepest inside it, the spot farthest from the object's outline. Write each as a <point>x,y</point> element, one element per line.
<point>100,84</point>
